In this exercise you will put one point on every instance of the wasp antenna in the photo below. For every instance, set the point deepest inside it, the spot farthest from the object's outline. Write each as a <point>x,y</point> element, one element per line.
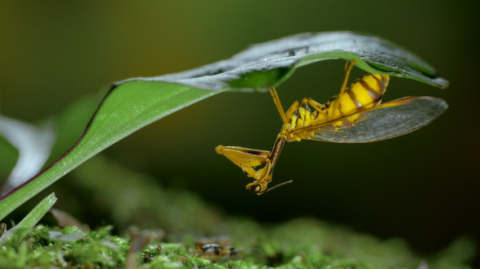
<point>278,185</point>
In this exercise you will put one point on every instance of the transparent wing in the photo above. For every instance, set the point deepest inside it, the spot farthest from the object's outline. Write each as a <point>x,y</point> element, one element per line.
<point>382,122</point>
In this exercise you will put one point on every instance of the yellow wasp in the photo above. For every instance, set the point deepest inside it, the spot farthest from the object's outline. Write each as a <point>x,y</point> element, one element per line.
<point>354,116</point>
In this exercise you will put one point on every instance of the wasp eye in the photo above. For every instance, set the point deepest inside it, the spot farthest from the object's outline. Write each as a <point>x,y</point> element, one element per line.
<point>255,188</point>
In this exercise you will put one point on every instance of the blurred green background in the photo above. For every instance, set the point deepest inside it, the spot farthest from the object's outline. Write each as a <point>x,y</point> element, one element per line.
<point>423,187</point>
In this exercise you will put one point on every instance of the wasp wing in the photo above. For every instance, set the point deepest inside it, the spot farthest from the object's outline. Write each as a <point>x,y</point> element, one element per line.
<point>382,122</point>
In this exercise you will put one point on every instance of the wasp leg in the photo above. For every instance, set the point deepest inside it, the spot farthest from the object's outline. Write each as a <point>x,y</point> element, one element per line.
<point>292,110</point>
<point>314,104</point>
<point>278,104</point>
<point>348,68</point>
<point>247,159</point>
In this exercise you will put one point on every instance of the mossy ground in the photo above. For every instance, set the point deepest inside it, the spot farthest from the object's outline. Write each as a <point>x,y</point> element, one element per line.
<point>198,235</point>
<point>51,247</point>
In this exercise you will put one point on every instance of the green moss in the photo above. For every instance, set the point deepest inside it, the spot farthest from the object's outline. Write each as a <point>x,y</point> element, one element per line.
<point>185,218</point>
<point>312,247</point>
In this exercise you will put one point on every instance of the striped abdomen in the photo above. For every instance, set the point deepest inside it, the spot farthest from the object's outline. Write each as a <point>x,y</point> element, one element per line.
<point>363,93</point>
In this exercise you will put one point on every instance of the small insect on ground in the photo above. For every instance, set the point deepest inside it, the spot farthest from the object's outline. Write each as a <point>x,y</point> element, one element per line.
<point>215,249</point>
<point>355,115</point>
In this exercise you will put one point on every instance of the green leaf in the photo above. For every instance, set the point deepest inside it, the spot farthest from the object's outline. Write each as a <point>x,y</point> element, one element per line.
<point>124,110</point>
<point>17,233</point>
<point>270,63</point>
<point>133,103</point>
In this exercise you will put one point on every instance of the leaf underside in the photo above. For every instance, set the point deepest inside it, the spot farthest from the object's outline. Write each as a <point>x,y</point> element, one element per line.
<point>268,64</point>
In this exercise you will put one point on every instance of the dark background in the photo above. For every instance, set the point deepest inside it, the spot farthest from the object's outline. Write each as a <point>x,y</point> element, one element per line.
<point>423,187</point>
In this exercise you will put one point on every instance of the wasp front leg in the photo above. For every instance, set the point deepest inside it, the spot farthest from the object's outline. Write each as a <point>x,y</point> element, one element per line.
<point>248,160</point>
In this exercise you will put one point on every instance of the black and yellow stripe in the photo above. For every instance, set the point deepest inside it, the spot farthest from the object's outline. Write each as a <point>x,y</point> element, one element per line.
<point>363,93</point>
